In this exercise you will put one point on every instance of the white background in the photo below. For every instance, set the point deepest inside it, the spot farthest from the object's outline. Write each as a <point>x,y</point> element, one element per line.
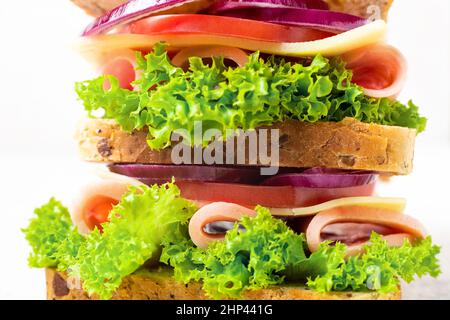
<point>39,113</point>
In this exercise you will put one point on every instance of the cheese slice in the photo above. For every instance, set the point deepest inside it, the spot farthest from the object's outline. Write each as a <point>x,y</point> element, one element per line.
<point>392,204</point>
<point>96,47</point>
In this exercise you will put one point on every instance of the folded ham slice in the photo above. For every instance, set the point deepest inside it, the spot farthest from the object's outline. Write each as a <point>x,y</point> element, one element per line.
<point>120,64</point>
<point>380,69</point>
<point>214,212</point>
<point>96,199</point>
<point>181,59</point>
<point>353,225</point>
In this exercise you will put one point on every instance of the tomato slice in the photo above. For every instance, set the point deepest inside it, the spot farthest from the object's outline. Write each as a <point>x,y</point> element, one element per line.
<point>268,196</point>
<point>223,26</point>
<point>242,194</point>
<point>98,212</point>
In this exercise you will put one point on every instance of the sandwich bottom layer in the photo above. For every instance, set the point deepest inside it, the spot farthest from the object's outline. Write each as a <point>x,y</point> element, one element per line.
<point>159,284</point>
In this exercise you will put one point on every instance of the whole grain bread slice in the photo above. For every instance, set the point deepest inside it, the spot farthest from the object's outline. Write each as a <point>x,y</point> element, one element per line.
<point>159,284</point>
<point>349,144</point>
<point>363,8</point>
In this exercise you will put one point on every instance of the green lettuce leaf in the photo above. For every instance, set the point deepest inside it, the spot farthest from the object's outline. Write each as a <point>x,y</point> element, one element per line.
<point>379,268</point>
<point>269,253</point>
<point>137,226</point>
<point>143,217</point>
<point>252,259</point>
<point>53,238</point>
<point>256,94</point>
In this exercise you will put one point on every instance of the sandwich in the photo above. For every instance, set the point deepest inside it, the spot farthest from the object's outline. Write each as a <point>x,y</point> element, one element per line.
<point>240,144</point>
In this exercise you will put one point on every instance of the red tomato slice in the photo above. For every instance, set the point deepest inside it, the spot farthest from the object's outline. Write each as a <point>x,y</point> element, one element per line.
<point>98,213</point>
<point>242,194</point>
<point>223,26</point>
<point>275,197</point>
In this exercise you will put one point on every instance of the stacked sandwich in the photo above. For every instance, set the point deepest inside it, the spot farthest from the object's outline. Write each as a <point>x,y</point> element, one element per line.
<point>242,142</point>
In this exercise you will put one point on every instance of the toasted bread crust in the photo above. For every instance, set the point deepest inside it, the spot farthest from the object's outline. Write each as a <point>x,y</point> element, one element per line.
<point>159,284</point>
<point>348,144</point>
<point>356,7</point>
<point>362,8</point>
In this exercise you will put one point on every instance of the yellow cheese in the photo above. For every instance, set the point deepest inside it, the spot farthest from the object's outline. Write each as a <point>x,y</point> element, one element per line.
<point>94,48</point>
<point>392,204</point>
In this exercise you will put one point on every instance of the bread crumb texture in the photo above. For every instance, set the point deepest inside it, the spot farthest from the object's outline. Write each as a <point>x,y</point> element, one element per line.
<point>159,284</point>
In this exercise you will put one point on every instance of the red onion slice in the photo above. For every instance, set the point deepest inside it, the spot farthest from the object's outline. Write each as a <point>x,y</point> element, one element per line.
<point>310,178</point>
<point>149,174</point>
<point>319,170</point>
<point>138,9</point>
<point>225,5</point>
<point>321,180</point>
<point>319,19</point>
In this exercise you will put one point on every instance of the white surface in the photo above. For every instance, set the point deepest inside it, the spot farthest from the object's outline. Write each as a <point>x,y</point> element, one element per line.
<point>39,113</point>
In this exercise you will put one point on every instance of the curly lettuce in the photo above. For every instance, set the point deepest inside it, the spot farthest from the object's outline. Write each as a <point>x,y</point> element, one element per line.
<point>267,253</point>
<point>132,236</point>
<point>253,259</point>
<point>53,238</point>
<point>270,253</point>
<point>262,92</point>
<point>379,268</point>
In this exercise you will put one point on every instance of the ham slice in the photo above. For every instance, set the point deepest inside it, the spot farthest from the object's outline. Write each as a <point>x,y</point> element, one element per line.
<point>121,64</point>
<point>393,240</point>
<point>353,232</point>
<point>380,69</point>
<point>181,59</point>
<point>352,226</point>
<point>214,212</point>
<point>97,195</point>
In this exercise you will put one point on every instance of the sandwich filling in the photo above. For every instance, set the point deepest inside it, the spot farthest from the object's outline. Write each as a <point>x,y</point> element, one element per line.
<point>234,66</point>
<point>231,248</point>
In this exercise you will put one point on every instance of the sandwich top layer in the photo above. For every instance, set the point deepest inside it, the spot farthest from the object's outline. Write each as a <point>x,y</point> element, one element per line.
<point>259,94</point>
<point>231,67</point>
